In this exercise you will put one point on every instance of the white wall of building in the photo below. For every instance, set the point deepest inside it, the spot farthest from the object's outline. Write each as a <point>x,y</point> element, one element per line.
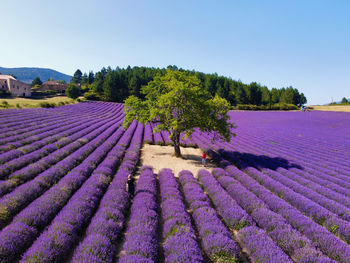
<point>15,87</point>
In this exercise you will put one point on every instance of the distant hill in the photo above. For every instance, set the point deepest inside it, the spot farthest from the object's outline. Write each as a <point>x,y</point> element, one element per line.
<point>28,74</point>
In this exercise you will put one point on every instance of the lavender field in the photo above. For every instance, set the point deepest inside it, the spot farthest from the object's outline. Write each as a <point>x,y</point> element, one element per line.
<point>72,189</point>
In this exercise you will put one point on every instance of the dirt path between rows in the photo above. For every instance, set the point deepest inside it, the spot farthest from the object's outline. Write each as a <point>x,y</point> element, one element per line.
<point>163,157</point>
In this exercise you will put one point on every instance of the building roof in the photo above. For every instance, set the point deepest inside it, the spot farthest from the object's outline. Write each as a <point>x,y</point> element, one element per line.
<point>7,77</point>
<point>51,82</point>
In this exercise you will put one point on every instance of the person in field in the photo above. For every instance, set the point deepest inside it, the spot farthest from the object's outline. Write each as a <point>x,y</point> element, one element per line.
<point>204,159</point>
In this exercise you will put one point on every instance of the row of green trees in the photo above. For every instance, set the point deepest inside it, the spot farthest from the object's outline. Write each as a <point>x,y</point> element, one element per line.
<point>117,84</point>
<point>344,101</point>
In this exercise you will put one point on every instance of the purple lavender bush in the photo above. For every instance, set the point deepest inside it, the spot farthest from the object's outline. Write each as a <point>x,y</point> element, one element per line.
<point>180,243</point>
<point>215,238</point>
<point>141,235</point>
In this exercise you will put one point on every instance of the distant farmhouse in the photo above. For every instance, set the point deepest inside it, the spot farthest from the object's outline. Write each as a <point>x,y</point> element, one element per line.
<point>53,85</point>
<point>15,87</point>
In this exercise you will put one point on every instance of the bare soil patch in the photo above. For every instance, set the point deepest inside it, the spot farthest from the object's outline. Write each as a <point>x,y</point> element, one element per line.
<point>344,108</point>
<point>160,157</point>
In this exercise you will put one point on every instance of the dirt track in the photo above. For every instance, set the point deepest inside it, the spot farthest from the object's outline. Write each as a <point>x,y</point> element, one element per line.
<point>163,157</point>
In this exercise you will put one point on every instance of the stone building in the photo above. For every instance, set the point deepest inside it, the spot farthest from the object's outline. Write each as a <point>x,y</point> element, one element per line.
<point>53,85</point>
<point>15,87</point>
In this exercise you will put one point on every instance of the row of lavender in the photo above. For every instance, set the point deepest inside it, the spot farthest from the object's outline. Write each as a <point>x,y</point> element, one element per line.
<point>57,183</point>
<point>162,137</point>
<point>50,194</point>
<point>299,165</point>
<point>312,196</point>
<point>262,233</point>
<point>67,199</point>
<point>226,223</point>
<point>71,201</point>
<point>220,206</point>
<point>24,185</point>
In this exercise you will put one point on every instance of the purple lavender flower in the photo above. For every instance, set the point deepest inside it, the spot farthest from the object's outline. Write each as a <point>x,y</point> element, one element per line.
<point>216,240</point>
<point>260,247</point>
<point>141,236</point>
<point>180,244</point>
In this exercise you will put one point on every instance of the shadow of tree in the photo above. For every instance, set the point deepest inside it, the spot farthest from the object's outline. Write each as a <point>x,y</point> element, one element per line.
<point>244,160</point>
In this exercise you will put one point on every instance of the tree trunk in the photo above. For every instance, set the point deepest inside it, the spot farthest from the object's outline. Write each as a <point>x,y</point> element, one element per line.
<point>176,141</point>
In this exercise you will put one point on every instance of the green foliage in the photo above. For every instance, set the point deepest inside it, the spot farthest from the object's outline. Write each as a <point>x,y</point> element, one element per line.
<point>84,79</point>
<point>222,256</point>
<point>35,87</point>
<point>4,104</point>
<point>303,99</point>
<point>254,93</point>
<point>47,104</point>
<point>117,84</point>
<point>91,77</point>
<point>276,106</point>
<point>62,103</point>
<point>242,223</point>
<point>178,102</point>
<point>111,84</point>
<point>249,107</point>
<point>73,91</point>
<point>275,95</point>
<point>52,91</point>
<point>266,98</point>
<point>37,81</point>
<point>84,88</point>
<point>344,101</point>
<point>77,77</point>
<point>284,106</point>
<point>333,229</point>
<point>92,95</point>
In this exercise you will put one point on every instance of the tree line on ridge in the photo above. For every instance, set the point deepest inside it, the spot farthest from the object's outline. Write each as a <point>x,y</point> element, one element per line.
<point>117,84</point>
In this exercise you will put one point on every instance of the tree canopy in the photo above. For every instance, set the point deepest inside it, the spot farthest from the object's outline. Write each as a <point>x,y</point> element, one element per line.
<point>73,91</point>
<point>77,77</point>
<point>178,104</point>
<point>344,100</point>
<point>36,81</point>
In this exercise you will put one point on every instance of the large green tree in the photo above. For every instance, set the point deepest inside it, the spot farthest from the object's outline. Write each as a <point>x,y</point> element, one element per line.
<point>180,105</point>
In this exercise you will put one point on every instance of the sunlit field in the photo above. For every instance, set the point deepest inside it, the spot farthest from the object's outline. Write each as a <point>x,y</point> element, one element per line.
<point>73,188</point>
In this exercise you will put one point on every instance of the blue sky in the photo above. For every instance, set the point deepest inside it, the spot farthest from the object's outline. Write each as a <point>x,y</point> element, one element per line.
<point>305,44</point>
